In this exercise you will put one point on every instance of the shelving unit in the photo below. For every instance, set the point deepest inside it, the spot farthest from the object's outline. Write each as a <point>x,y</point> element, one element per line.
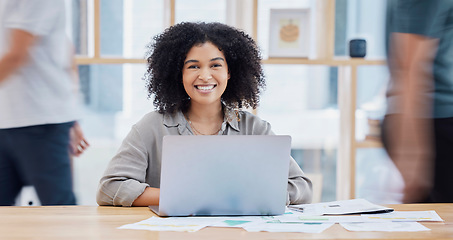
<point>347,92</point>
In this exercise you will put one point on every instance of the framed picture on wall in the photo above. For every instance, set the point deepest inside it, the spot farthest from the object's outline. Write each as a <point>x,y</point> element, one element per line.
<point>289,33</point>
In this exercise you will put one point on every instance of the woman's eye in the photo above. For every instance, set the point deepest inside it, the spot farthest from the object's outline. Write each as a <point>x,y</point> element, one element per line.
<point>216,65</point>
<point>193,67</point>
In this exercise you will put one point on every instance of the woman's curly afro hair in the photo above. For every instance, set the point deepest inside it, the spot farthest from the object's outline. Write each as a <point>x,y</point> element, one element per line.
<point>168,51</point>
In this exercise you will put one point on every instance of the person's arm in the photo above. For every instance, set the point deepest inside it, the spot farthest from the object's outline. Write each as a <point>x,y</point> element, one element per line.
<point>149,197</point>
<point>410,138</point>
<point>17,54</point>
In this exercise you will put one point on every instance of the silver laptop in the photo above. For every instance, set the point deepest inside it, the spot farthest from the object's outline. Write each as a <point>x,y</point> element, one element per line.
<point>224,175</point>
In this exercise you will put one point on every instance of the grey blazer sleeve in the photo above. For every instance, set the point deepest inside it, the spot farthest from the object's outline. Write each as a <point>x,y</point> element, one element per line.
<point>300,189</point>
<point>124,178</point>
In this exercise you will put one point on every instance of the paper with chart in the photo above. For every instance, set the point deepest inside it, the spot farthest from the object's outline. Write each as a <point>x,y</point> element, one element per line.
<point>328,219</point>
<point>385,227</point>
<point>406,216</point>
<point>289,227</point>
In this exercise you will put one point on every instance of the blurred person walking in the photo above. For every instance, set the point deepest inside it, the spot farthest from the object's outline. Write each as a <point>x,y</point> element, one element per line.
<point>418,127</point>
<point>38,105</point>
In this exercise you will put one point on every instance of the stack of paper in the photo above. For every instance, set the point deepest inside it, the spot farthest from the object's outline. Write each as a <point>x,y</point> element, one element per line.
<point>354,206</point>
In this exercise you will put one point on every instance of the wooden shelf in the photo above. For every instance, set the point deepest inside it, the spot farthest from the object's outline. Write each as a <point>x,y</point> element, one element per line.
<point>369,144</point>
<point>337,61</point>
<point>107,60</point>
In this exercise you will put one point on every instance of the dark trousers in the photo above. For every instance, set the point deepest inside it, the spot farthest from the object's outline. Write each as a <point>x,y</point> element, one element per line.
<point>442,191</point>
<point>37,156</point>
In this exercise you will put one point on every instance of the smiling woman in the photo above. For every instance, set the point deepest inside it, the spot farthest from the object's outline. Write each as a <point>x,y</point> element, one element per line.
<point>200,75</point>
<point>169,57</point>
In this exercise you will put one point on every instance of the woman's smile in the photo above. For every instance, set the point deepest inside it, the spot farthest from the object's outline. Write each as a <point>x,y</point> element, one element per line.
<point>205,88</point>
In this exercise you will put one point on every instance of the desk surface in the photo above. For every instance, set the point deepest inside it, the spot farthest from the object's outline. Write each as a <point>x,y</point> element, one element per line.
<point>91,222</point>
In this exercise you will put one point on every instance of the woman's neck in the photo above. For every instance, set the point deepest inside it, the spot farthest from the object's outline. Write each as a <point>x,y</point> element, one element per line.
<point>205,114</point>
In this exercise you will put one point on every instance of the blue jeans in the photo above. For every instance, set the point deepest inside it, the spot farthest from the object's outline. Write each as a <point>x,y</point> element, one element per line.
<point>37,156</point>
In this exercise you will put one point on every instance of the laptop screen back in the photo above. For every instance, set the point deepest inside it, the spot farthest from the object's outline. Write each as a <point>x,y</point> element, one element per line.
<point>224,175</point>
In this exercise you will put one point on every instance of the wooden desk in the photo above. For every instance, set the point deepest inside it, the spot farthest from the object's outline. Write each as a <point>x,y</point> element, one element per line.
<point>91,222</point>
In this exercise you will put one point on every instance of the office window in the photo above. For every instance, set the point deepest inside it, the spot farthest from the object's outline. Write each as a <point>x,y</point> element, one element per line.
<point>118,99</point>
<point>115,94</point>
<point>128,26</point>
<point>372,84</point>
<point>200,10</point>
<point>78,23</point>
<point>377,180</point>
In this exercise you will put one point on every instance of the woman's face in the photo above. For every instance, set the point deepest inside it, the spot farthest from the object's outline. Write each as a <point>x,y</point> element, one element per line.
<point>205,74</point>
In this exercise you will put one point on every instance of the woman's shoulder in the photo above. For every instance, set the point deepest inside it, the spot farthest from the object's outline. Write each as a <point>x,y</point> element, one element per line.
<point>149,119</point>
<point>253,122</point>
<point>152,116</point>
<point>155,120</point>
<point>246,115</point>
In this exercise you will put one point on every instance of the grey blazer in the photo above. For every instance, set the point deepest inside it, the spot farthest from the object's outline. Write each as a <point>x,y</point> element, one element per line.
<point>137,163</point>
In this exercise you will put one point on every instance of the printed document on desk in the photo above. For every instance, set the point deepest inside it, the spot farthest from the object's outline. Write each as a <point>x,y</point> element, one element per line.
<point>385,227</point>
<point>406,216</point>
<point>353,206</point>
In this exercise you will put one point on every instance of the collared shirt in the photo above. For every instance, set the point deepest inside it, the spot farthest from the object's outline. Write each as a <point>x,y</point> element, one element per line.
<point>137,163</point>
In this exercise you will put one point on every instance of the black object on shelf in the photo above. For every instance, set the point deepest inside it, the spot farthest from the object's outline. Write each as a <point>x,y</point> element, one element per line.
<point>357,48</point>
